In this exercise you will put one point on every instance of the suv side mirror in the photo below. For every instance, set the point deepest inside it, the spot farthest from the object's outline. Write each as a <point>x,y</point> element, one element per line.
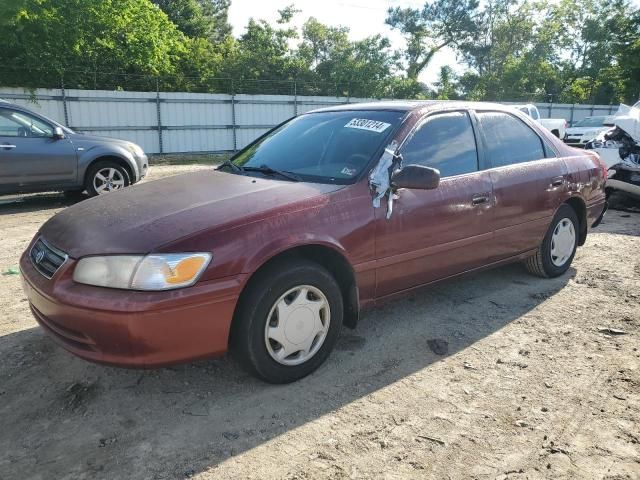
<point>416,176</point>
<point>58,133</point>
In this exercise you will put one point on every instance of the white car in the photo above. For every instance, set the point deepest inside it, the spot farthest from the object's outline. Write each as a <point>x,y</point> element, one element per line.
<point>557,126</point>
<point>619,149</point>
<point>587,129</point>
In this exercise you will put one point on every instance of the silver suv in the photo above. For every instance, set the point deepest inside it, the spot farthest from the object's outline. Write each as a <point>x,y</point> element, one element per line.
<point>38,154</point>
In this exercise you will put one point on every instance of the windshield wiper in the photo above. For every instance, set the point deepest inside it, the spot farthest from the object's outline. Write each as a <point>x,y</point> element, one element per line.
<point>231,165</point>
<point>273,171</point>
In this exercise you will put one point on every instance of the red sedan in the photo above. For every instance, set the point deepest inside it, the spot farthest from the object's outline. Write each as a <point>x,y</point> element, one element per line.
<point>327,214</point>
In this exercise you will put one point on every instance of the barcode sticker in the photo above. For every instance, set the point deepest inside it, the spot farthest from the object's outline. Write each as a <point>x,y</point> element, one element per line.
<point>370,125</point>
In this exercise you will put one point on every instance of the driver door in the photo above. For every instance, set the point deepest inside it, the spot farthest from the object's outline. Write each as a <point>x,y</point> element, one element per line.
<point>29,155</point>
<point>433,234</point>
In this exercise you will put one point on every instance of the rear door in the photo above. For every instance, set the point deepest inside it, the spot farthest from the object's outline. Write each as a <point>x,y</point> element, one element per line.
<point>529,182</point>
<point>436,233</point>
<point>29,155</point>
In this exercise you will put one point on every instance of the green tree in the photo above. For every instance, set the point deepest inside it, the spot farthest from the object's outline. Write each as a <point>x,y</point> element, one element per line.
<point>199,18</point>
<point>597,40</point>
<point>511,56</point>
<point>446,84</point>
<point>48,37</point>
<point>439,24</point>
<point>262,61</point>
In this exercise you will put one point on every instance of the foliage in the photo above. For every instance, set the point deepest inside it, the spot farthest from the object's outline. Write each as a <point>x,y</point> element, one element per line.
<point>198,18</point>
<point>559,50</point>
<point>129,36</point>
<point>567,51</point>
<point>437,25</point>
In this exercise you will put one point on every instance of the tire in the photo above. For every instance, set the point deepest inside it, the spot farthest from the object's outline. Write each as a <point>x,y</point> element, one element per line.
<point>258,326</point>
<point>106,173</point>
<point>546,263</point>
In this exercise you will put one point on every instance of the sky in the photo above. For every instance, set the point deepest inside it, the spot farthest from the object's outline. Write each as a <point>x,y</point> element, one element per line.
<point>363,17</point>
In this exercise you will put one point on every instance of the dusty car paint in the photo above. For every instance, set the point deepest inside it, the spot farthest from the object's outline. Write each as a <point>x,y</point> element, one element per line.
<point>247,221</point>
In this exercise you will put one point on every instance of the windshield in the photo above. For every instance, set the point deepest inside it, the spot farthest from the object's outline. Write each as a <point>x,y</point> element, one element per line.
<point>325,147</point>
<point>591,122</point>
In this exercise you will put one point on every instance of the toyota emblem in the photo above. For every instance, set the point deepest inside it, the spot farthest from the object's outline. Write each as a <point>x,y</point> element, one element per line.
<point>39,256</point>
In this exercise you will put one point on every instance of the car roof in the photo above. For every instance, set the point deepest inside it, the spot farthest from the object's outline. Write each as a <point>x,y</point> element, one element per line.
<point>7,103</point>
<point>410,105</point>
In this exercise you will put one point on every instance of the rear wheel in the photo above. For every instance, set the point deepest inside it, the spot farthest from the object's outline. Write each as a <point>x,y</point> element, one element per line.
<point>555,254</point>
<point>106,176</point>
<point>288,322</point>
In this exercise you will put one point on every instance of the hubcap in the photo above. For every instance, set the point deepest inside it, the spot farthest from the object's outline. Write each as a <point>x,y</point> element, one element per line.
<point>108,180</point>
<point>563,242</point>
<point>297,325</point>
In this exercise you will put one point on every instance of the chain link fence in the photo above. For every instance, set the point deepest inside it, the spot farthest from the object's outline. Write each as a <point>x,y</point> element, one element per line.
<point>220,115</point>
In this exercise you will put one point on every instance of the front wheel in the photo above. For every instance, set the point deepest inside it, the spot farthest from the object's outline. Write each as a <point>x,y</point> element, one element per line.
<point>288,321</point>
<point>106,176</point>
<point>555,254</point>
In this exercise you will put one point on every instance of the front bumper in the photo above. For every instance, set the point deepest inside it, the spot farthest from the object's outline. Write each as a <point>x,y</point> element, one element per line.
<point>577,141</point>
<point>128,328</point>
<point>143,167</point>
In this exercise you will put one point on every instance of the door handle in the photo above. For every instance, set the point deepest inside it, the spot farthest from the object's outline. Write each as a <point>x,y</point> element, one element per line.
<point>557,182</point>
<point>479,200</point>
<point>7,146</point>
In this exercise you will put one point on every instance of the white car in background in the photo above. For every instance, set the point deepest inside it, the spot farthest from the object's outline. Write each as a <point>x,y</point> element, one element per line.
<point>587,129</point>
<point>619,149</point>
<point>557,126</point>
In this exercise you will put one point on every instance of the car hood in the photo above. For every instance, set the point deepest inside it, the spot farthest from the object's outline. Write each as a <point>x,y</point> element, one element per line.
<point>142,218</point>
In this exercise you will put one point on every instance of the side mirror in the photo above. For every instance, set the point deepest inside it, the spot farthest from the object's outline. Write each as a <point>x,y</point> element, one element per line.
<point>416,176</point>
<point>58,133</point>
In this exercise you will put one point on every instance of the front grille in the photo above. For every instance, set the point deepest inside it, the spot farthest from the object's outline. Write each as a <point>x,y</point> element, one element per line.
<point>46,259</point>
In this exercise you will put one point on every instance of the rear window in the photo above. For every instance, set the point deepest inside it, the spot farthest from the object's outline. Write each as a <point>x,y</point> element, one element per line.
<point>326,147</point>
<point>509,140</point>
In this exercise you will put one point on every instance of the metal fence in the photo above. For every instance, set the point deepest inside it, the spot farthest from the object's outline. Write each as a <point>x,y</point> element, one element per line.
<point>175,122</point>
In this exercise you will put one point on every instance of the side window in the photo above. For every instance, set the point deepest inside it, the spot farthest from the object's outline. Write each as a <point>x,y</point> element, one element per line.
<point>509,140</point>
<point>18,124</point>
<point>446,142</point>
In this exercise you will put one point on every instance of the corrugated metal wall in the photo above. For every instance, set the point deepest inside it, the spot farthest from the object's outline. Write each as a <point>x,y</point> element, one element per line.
<point>174,122</point>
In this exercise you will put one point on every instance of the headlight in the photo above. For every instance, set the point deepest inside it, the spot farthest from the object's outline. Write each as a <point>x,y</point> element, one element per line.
<point>136,272</point>
<point>135,149</point>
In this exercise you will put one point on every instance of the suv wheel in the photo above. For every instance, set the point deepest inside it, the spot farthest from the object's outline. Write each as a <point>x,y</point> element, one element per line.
<point>106,176</point>
<point>288,322</point>
<point>555,254</point>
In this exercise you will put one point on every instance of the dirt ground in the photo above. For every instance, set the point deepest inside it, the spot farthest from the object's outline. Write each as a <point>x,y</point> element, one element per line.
<point>497,375</point>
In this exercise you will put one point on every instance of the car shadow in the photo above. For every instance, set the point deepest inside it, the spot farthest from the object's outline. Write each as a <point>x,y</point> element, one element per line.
<point>64,417</point>
<point>38,202</point>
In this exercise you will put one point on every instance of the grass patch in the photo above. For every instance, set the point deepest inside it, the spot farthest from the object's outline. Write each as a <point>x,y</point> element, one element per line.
<point>188,158</point>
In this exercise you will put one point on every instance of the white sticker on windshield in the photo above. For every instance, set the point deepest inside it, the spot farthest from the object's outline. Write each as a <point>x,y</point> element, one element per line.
<point>371,125</point>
